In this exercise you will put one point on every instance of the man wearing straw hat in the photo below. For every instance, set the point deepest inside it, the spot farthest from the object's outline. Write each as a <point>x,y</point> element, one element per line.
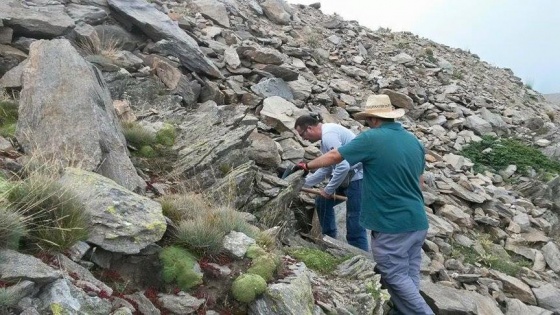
<point>392,201</point>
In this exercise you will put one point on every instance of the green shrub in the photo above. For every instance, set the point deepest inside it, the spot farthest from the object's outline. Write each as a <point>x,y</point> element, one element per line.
<point>55,218</point>
<point>12,228</point>
<point>166,135</point>
<point>147,152</point>
<point>264,266</point>
<point>137,135</point>
<point>316,259</point>
<point>255,251</point>
<point>506,151</point>
<point>178,267</point>
<point>8,118</point>
<point>247,286</point>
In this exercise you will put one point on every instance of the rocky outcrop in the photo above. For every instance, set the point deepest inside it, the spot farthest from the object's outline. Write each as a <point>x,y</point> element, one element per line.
<point>232,76</point>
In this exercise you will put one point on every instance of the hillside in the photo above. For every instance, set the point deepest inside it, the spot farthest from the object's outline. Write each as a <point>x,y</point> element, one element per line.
<point>552,98</point>
<point>142,142</point>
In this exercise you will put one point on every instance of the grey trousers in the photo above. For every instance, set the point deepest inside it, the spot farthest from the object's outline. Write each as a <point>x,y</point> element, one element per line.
<point>398,258</point>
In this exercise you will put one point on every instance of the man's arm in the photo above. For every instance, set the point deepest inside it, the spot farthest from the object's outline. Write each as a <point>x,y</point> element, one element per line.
<point>327,159</point>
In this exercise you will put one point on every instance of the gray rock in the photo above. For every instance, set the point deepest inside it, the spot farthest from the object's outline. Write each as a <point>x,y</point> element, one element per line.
<point>263,150</point>
<point>273,87</point>
<point>71,118</point>
<point>516,288</point>
<point>548,297</point>
<point>516,307</point>
<point>292,296</point>
<point>85,13</point>
<point>180,303</point>
<point>214,10</point>
<point>447,300</point>
<point>478,125</point>
<point>275,11</point>
<point>15,267</point>
<point>121,221</point>
<point>10,57</point>
<point>237,243</point>
<point>71,299</point>
<point>41,21</point>
<point>552,256</point>
<point>157,26</point>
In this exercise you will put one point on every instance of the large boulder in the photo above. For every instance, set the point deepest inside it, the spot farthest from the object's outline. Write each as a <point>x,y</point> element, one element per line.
<point>121,221</point>
<point>66,114</point>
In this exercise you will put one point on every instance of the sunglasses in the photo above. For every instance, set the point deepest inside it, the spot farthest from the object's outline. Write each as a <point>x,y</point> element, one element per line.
<point>303,132</point>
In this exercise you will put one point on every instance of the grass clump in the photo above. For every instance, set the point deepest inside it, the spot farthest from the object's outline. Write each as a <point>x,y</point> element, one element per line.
<point>316,259</point>
<point>105,46</point>
<point>54,217</point>
<point>204,232</point>
<point>6,301</point>
<point>313,40</point>
<point>166,135</point>
<point>12,228</point>
<point>137,135</point>
<point>201,236</point>
<point>496,154</point>
<point>8,118</point>
<point>510,266</point>
<point>178,267</point>
<point>179,207</point>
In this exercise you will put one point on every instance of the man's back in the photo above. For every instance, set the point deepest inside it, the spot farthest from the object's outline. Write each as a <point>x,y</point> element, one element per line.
<point>393,161</point>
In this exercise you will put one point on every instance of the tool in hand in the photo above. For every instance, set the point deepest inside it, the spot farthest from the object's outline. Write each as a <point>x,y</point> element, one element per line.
<point>303,166</point>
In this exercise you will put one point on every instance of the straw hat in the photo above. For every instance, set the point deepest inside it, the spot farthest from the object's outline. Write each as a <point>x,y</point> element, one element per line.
<point>379,106</point>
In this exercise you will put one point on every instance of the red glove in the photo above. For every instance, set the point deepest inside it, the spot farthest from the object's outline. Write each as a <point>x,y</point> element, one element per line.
<point>301,166</point>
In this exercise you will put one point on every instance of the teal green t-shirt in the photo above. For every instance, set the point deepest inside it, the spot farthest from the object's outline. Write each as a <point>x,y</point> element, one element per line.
<point>393,161</point>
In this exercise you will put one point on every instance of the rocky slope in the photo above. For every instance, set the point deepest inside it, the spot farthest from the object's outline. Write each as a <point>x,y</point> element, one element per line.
<point>232,76</point>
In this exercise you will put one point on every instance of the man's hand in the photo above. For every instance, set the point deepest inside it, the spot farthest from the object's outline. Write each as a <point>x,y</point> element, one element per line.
<point>301,166</point>
<point>325,195</point>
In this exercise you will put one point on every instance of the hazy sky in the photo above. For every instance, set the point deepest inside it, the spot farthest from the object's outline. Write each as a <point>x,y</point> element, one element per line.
<point>523,35</point>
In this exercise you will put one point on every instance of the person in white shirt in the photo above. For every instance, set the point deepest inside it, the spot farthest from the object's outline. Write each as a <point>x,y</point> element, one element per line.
<point>344,179</point>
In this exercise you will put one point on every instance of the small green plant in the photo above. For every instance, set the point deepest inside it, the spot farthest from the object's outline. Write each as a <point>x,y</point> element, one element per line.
<point>374,289</point>
<point>403,45</point>
<point>510,266</point>
<point>247,287</point>
<point>316,259</point>
<point>429,52</point>
<point>264,266</point>
<point>8,118</point>
<point>313,40</point>
<point>496,154</point>
<point>178,267</point>
<point>458,75</point>
<point>54,217</point>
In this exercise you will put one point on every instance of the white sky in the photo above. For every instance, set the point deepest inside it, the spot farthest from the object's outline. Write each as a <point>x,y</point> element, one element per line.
<point>523,35</point>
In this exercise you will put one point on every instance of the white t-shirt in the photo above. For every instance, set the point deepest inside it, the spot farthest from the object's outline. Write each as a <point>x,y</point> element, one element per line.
<point>334,136</point>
